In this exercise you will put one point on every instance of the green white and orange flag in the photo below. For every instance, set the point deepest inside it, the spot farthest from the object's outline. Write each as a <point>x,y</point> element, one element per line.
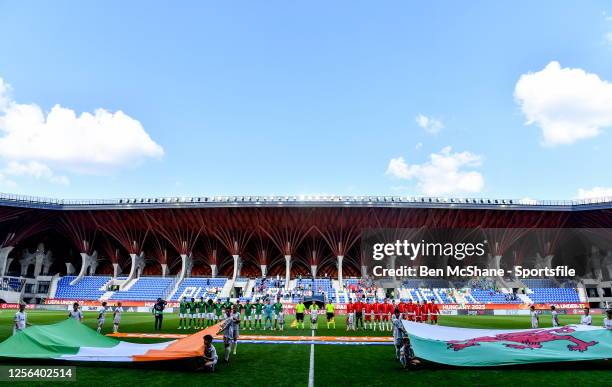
<point>72,341</point>
<point>493,347</point>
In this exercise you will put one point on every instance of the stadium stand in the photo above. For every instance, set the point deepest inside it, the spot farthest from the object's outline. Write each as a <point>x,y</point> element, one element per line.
<point>88,288</point>
<point>268,287</point>
<point>490,296</point>
<point>545,290</point>
<point>199,287</point>
<point>145,289</point>
<point>441,291</point>
<point>548,295</point>
<point>13,284</point>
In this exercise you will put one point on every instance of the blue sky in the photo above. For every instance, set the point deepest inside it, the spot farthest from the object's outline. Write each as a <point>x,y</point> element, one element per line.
<point>306,98</point>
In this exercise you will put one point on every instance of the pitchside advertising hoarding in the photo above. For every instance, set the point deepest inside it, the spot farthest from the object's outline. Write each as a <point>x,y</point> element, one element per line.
<point>465,256</point>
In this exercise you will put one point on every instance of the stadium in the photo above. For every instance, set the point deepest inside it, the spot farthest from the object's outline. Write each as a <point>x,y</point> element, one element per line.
<point>246,248</point>
<point>305,193</point>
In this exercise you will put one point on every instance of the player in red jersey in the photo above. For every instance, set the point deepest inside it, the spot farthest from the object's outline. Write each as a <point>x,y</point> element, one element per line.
<point>418,312</point>
<point>402,308</point>
<point>358,307</point>
<point>424,311</point>
<point>434,312</point>
<point>367,317</point>
<point>350,316</point>
<point>389,310</point>
<point>378,312</point>
<point>369,311</point>
<point>410,310</point>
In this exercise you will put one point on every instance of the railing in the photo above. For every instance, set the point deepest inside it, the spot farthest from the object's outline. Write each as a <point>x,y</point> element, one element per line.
<point>52,203</point>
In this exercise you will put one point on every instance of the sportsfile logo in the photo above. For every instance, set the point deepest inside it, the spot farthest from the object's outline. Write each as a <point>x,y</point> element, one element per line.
<point>412,250</point>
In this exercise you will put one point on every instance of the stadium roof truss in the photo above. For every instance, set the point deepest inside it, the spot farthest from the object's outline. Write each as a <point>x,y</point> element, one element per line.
<point>276,234</point>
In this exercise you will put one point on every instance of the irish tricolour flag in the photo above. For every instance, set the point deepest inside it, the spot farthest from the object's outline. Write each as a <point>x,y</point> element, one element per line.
<point>493,347</point>
<point>73,341</point>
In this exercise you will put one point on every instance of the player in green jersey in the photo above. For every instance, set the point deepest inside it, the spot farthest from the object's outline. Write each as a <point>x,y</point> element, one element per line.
<point>258,312</point>
<point>218,311</point>
<point>191,311</point>
<point>247,315</point>
<point>277,308</point>
<point>182,314</point>
<point>200,313</point>
<point>227,305</point>
<point>210,312</point>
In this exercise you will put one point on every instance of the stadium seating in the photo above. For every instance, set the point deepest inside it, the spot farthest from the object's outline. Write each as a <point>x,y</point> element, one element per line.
<point>269,287</point>
<point>150,288</point>
<point>88,288</point>
<point>545,290</point>
<point>539,283</point>
<point>13,284</point>
<point>145,289</point>
<point>552,295</point>
<point>199,287</point>
<point>490,296</point>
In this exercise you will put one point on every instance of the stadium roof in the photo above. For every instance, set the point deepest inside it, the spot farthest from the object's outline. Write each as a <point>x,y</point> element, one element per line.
<point>14,200</point>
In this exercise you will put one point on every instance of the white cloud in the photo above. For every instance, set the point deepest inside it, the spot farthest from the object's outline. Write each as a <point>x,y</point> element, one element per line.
<point>34,142</point>
<point>568,104</point>
<point>595,192</point>
<point>445,173</point>
<point>430,124</point>
<point>5,90</point>
<point>5,182</point>
<point>419,145</point>
<point>36,170</point>
<point>609,37</point>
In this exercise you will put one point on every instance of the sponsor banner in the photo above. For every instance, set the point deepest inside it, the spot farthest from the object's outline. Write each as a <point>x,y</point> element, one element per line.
<point>15,306</point>
<point>475,312</point>
<point>511,312</point>
<point>53,307</point>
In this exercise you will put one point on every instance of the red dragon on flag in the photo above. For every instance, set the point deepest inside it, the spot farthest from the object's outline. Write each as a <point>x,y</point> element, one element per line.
<point>532,339</point>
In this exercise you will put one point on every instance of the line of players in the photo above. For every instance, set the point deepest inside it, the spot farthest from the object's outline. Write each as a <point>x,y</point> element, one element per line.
<point>586,318</point>
<point>373,314</point>
<point>77,314</point>
<point>261,314</point>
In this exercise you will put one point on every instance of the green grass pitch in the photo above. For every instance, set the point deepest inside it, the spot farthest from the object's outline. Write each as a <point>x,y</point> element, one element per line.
<point>288,365</point>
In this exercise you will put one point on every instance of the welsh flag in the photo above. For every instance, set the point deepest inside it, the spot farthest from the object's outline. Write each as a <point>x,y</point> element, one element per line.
<point>493,347</point>
<point>73,341</point>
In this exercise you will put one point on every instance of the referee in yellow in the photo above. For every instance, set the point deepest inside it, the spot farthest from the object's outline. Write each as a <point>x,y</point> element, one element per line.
<point>329,311</point>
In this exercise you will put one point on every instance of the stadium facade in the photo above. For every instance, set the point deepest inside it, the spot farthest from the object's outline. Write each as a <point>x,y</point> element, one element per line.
<point>246,236</point>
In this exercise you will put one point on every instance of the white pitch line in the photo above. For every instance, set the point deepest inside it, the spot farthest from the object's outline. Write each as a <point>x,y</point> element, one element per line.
<point>311,370</point>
